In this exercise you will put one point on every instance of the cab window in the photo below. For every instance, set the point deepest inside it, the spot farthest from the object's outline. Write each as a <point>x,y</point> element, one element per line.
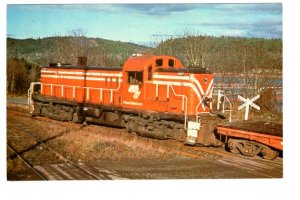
<point>150,73</point>
<point>171,63</point>
<point>159,62</point>
<point>135,78</point>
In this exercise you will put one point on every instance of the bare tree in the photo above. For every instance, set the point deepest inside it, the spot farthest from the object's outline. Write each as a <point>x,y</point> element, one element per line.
<point>79,42</point>
<point>68,48</point>
<point>196,49</point>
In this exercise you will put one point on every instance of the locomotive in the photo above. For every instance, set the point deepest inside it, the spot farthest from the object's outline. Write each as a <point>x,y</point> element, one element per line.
<point>151,96</point>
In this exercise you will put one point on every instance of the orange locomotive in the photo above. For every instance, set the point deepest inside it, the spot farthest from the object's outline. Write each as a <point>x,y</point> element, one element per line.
<point>153,96</point>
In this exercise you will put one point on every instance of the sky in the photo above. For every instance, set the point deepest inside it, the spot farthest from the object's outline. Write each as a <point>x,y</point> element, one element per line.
<point>144,23</point>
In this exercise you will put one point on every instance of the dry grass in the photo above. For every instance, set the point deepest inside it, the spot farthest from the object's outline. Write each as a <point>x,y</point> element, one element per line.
<point>17,107</point>
<point>15,165</point>
<point>102,143</point>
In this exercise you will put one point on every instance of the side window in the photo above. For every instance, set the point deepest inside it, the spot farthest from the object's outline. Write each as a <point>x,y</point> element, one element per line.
<point>171,63</point>
<point>150,73</point>
<point>135,78</point>
<point>159,62</point>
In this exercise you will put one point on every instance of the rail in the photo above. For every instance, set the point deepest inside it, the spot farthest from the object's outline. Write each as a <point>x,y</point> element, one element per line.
<point>184,102</point>
<point>30,91</point>
<point>223,102</point>
<point>26,162</point>
<point>183,105</point>
<point>61,156</point>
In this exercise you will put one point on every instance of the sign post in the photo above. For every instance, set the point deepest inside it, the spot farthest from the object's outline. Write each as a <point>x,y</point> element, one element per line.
<point>247,104</point>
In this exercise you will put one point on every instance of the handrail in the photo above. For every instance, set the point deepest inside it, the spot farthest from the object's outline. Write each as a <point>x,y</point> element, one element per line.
<point>30,91</point>
<point>101,89</point>
<point>183,105</point>
<point>223,106</point>
<point>197,107</point>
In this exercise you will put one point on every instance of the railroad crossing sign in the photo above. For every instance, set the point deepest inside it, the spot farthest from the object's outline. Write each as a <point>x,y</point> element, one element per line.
<point>247,104</point>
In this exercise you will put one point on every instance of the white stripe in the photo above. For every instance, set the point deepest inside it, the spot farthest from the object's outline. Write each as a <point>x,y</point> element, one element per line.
<point>103,74</point>
<point>191,85</point>
<point>209,87</point>
<point>179,84</point>
<point>171,77</point>
<point>59,76</point>
<point>198,84</point>
<point>82,78</point>
<point>49,71</point>
<point>70,73</point>
<point>82,73</point>
<point>196,81</point>
<point>97,79</point>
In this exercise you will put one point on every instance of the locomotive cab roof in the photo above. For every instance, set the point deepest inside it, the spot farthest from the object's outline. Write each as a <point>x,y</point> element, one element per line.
<point>140,63</point>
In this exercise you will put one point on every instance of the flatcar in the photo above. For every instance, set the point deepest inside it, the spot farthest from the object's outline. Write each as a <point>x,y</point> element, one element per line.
<point>152,96</point>
<point>251,138</point>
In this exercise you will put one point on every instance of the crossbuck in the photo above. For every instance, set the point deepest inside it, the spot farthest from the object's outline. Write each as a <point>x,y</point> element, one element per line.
<point>247,104</point>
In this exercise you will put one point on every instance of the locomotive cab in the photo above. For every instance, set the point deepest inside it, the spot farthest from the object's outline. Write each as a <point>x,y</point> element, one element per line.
<point>162,85</point>
<point>138,73</point>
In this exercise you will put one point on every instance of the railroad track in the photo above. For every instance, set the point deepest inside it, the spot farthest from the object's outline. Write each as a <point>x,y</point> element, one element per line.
<point>255,165</point>
<point>37,169</point>
<point>220,151</point>
<point>29,165</point>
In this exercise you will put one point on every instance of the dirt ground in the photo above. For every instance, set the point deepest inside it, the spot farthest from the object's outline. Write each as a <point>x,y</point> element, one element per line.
<point>115,154</point>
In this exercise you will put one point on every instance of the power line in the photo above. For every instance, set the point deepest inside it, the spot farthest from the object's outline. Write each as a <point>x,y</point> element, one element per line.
<point>162,35</point>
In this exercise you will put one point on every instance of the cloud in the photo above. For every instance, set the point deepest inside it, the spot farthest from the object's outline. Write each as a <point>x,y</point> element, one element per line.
<point>246,20</point>
<point>265,28</point>
<point>168,9</point>
<point>271,30</point>
<point>76,7</point>
<point>266,8</point>
<point>158,9</point>
<point>145,9</point>
<point>239,24</point>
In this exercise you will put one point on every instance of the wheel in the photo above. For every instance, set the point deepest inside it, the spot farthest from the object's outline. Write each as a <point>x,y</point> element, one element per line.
<point>269,154</point>
<point>44,110</point>
<point>235,151</point>
<point>248,148</point>
<point>231,146</point>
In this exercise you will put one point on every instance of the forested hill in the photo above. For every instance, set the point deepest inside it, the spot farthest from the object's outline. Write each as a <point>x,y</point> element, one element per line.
<point>225,54</point>
<point>67,49</point>
<point>218,54</point>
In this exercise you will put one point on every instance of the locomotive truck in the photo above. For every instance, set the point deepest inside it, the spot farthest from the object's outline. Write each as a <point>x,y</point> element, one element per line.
<point>152,96</point>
